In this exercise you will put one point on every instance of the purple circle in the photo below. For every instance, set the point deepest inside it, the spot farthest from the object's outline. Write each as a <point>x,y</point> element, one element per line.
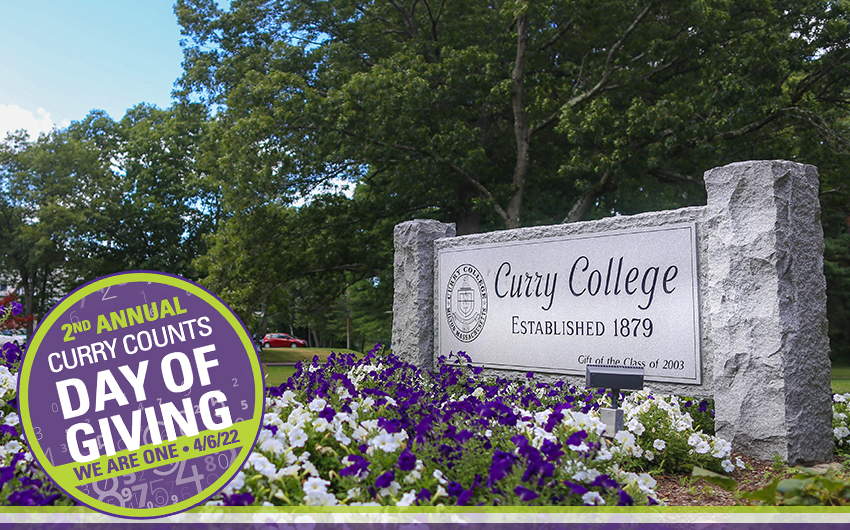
<point>118,361</point>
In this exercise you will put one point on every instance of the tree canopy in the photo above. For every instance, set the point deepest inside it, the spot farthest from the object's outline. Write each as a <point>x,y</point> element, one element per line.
<point>502,114</point>
<point>302,131</point>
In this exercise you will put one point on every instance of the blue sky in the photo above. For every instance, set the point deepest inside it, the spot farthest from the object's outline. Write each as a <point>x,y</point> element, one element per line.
<point>59,59</point>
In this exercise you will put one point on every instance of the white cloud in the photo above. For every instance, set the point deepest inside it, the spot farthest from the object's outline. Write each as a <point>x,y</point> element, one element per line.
<point>13,118</point>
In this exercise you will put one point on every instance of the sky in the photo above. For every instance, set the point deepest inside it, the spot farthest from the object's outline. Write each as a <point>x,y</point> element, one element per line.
<point>60,59</point>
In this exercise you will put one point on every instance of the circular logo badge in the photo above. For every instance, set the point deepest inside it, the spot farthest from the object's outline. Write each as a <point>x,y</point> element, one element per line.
<point>466,303</point>
<point>141,394</point>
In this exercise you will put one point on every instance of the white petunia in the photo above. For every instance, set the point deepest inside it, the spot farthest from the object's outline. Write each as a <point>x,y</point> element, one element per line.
<point>385,442</point>
<point>353,493</point>
<point>728,466</point>
<point>636,427</point>
<point>390,490</point>
<point>626,439</point>
<point>321,499</point>
<point>315,486</point>
<point>297,437</point>
<point>592,498</point>
<point>321,425</point>
<point>262,465</point>
<point>659,444</point>
<point>318,405</point>
<point>271,445</point>
<point>235,484</point>
<point>341,437</point>
<point>360,434</point>
<point>702,447</point>
<point>408,498</point>
<point>604,455</point>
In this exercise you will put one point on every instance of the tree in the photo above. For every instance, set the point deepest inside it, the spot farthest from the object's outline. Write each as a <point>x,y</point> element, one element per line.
<point>157,206</point>
<point>100,197</point>
<point>48,189</point>
<point>511,113</point>
<point>268,258</point>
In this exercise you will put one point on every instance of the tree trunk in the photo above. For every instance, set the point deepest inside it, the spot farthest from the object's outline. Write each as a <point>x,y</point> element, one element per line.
<point>26,283</point>
<point>264,319</point>
<point>468,222</point>
<point>589,197</point>
<point>522,131</point>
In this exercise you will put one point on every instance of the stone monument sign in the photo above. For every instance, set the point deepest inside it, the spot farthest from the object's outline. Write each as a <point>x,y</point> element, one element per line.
<point>726,300</point>
<point>624,297</point>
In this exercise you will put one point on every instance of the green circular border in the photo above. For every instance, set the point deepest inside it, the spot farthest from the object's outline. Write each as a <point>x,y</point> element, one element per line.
<point>134,277</point>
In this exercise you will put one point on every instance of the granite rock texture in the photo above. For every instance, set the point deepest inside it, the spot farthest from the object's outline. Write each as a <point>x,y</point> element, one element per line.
<point>766,295</point>
<point>413,301</point>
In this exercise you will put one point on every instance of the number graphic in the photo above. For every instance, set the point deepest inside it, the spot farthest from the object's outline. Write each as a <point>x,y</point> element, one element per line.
<point>143,493</point>
<point>167,472</point>
<point>111,492</point>
<point>195,478</point>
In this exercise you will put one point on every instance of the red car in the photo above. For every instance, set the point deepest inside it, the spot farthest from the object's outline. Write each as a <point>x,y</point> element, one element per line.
<point>282,340</point>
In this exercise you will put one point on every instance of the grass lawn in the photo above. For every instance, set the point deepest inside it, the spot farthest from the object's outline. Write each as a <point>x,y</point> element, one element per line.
<point>277,375</point>
<point>293,355</point>
<point>841,379</point>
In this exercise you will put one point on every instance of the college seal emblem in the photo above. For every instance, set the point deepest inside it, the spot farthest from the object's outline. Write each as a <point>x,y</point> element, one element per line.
<point>466,303</point>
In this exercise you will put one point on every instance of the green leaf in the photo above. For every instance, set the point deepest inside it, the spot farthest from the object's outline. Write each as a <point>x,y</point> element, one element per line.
<point>791,484</point>
<point>766,494</point>
<point>727,483</point>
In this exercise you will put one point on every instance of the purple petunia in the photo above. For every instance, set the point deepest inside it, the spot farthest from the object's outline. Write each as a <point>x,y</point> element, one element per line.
<point>525,494</point>
<point>385,480</point>
<point>357,465</point>
<point>423,495</point>
<point>11,353</point>
<point>575,489</point>
<point>406,460</point>
<point>576,438</point>
<point>605,482</point>
<point>454,488</point>
<point>501,466</point>
<point>239,499</point>
<point>551,450</point>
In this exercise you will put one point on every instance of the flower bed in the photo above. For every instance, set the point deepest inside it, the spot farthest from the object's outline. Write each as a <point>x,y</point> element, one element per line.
<point>378,431</point>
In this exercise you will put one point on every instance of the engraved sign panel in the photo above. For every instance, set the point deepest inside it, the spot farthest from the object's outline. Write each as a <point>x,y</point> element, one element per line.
<point>627,297</point>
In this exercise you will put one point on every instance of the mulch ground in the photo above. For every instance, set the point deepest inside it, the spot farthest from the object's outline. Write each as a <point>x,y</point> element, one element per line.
<point>684,490</point>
